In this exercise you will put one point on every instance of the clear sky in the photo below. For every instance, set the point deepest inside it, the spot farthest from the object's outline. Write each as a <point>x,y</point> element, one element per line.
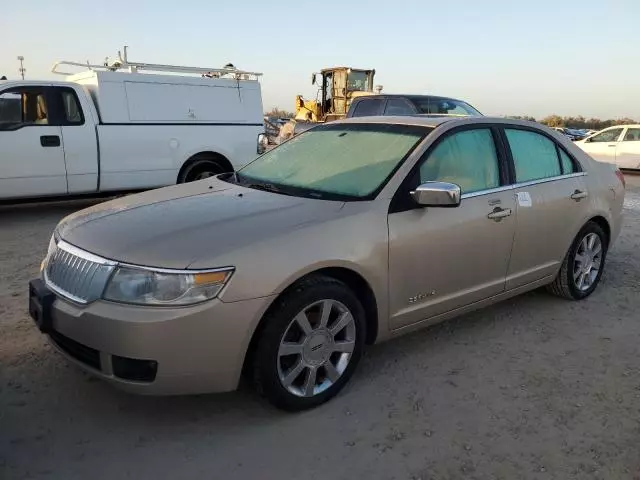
<point>537,57</point>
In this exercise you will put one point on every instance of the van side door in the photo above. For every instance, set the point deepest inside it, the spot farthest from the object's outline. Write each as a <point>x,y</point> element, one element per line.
<point>32,161</point>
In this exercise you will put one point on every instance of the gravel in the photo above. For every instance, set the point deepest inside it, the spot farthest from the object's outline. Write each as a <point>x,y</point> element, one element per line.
<point>535,387</point>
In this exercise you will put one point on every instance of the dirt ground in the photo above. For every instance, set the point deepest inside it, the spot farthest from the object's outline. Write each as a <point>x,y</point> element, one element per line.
<point>535,387</point>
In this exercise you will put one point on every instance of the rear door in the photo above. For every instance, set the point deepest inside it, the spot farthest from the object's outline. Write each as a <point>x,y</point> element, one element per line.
<point>628,150</point>
<point>32,160</point>
<point>602,146</point>
<point>551,202</point>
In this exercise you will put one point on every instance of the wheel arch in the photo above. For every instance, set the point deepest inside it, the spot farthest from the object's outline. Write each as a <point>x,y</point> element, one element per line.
<point>207,155</point>
<point>352,279</point>
<point>603,223</point>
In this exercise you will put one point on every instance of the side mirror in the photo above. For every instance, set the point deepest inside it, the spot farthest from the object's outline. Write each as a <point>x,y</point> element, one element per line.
<point>313,79</point>
<point>437,194</point>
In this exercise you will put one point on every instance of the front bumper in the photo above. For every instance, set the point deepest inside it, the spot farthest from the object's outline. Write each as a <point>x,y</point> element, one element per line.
<point>156,351</point>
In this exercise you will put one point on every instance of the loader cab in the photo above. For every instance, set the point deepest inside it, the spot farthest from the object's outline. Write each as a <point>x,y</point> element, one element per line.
<point>338,87</point>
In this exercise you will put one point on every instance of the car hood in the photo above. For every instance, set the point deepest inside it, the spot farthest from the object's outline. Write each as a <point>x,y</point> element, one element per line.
<point>173,227</point>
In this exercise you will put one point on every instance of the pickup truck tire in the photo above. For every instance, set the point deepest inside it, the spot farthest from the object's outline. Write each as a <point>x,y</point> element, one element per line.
<point>203,166</point>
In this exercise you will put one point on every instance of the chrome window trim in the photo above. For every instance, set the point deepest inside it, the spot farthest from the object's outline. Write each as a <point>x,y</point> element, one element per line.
<point>549,179</point>
<point>489,191</point>
<point>514,186</point>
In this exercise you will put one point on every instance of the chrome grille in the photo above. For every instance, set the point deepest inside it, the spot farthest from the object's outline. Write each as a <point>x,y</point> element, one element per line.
<point>75,274</point>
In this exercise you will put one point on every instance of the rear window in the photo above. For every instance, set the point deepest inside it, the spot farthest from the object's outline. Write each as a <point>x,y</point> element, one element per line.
<point>368,108</point>
<point>445,106</point>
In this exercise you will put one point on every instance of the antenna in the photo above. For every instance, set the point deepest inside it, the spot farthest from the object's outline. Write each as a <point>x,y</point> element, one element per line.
<point>21,69</point>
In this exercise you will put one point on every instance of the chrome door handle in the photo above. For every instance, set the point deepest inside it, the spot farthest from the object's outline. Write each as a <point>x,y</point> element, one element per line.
<point>499,213</point>
<point>579,195</point>
<point>611,145</point>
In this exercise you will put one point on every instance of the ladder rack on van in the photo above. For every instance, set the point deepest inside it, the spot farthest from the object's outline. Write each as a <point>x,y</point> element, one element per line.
<point>123,63</point>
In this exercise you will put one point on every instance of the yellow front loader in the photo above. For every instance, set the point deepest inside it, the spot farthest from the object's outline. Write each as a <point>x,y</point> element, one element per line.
<point>338,86</point>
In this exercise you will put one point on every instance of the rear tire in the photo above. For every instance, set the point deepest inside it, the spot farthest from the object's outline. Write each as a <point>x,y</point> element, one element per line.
<point>201,170</point>
<point>583,265</point>
<point>311,344</point>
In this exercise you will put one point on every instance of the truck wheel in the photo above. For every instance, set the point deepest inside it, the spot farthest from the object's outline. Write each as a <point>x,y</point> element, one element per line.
<point>311,344</point>
<point>202,167</point>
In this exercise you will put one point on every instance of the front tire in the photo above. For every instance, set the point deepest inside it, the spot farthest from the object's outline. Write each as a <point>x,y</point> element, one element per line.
<point>583,265</point>
<point>311,344</point>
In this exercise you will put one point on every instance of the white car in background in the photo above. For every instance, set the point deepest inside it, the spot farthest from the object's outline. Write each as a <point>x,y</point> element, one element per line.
<point>619,145</point>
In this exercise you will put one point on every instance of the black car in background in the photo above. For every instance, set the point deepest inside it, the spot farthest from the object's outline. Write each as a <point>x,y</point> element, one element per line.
<point>374,105</point>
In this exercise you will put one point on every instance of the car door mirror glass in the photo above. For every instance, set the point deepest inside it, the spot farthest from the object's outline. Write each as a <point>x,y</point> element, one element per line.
<point>437,194</point>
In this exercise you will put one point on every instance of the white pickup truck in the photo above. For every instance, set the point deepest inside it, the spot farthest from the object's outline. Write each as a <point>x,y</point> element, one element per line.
<point>115,128</point>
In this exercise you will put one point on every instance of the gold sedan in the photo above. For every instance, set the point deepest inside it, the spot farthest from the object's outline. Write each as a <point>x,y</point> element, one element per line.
<point>351,233</point>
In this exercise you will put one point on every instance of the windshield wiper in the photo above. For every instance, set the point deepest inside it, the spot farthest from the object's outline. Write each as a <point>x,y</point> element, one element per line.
<point>267,187</point>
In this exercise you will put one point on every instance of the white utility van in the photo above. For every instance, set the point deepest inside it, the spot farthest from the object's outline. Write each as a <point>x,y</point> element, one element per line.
<point>113,128</point>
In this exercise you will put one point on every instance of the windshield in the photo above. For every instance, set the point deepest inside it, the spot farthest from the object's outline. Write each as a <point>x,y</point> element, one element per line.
<point>357,81</point>
<point>343,160</point>
<point>445,106</point>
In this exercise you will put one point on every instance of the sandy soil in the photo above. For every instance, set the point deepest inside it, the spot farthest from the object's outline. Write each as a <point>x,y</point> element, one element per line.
<point>535,387</point>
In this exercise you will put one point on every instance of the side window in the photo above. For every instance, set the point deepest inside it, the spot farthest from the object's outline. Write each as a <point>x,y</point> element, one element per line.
<point>22,107</point>
<point>366,108</point>
<point>466,158</point>
<point>10,109</point>
<point>534,155</point>
<point>567,164</point>
<point>632,135</point>
<point>607,136</point>
<point>72,110</point>
<point>398,106</point>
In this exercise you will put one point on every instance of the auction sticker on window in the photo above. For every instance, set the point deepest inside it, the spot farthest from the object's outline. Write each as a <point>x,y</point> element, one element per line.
<point>524,199</point>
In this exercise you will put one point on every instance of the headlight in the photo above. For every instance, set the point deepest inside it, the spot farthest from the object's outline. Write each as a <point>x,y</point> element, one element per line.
<point>164,287</point>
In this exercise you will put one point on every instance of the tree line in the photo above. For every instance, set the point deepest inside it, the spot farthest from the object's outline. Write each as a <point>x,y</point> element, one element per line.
<point>578,122</point>
<point>277,113</point>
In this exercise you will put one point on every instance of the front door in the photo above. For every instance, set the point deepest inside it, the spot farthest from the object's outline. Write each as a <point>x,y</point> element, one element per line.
<point>628,150</point>
<point>551,202</point>
<point>602,146</point>
<point>32,160</point>
<point>441,259</point>
<point>79,140</point>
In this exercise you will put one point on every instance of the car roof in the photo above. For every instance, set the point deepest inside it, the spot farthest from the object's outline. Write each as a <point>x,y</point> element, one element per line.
<point>434,121</point>
<point>6,84</point>
<point>411,97</point>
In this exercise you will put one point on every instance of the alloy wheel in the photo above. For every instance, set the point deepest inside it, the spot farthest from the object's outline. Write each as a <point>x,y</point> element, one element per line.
<point>587,262</point>
<point>316,348</point>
